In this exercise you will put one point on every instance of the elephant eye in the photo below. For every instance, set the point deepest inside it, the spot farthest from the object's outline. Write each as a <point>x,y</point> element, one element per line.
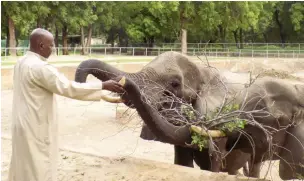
<point>175,84</point>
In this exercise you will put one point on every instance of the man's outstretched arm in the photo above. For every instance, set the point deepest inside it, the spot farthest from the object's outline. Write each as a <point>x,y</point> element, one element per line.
<point>48,77</point>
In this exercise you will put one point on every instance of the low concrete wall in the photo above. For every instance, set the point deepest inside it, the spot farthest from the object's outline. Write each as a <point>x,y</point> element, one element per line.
<point>233,65</point>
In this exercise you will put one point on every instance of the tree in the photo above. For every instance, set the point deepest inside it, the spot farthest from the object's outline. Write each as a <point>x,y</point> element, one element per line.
<point>18,18</point>
<point>73,16</point>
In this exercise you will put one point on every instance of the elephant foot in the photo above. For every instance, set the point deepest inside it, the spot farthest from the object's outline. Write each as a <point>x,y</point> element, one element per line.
<point>183,156</point>
<point>290,172</point>
<point>246,170</point>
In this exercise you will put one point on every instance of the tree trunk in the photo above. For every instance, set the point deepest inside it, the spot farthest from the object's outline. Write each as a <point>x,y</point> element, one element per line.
<point>282,34</point>
<point>7,40</point>
<point>235,38</point>
<point>65,40</point>
<point>265,37</point>
<point>57,40</point>
<point>112,41</point>
<point>88,44</point>
<point>122,39</point>
<point>184,41</point>
<point>39,23</point>
<point>252,35</point>
<point>82,42</point>
<point>183,31</point>
<point>222,35</point>
<point>47,23</point>
<point>12,37</point>
<point>241,39</point>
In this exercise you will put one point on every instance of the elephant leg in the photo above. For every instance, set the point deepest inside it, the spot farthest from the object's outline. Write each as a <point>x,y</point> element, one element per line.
<point>216,157</point>
<point>202,159</point>
<point>235,160</point>
<point>255,169</point>
<point>183,156</point>
<point>292,155</point>
<point>147,134</point>
<point>246,169</point>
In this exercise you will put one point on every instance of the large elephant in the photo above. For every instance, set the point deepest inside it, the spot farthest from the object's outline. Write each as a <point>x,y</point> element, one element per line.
<point>172,75</point>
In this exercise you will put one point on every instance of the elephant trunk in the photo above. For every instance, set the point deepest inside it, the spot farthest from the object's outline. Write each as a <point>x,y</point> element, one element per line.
<point>104,72</point>
<point>99,69</point>
<point>165,131</point>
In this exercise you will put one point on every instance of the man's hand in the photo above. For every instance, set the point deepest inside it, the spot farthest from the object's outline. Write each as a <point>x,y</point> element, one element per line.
<point>113,86</point>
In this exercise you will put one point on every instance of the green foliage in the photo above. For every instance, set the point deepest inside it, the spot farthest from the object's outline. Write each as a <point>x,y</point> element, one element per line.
<point>161,21</point>
<point>200,141</point>
<point>233,122</point>
<point>230,124</point>
<point>297,15</point>
<point>233,125</point>
<point>187,110</point>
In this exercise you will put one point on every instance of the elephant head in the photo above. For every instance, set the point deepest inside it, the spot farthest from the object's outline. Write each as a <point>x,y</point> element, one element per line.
<point>162,86</point>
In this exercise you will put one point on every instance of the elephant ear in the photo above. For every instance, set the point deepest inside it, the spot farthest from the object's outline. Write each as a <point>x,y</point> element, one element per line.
<point>300,92</point>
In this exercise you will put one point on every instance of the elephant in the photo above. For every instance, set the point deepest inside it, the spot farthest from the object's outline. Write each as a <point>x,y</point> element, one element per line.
<point>172,75</point>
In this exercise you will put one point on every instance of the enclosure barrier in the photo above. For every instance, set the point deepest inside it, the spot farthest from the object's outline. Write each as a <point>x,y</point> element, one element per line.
<point>212,51</point>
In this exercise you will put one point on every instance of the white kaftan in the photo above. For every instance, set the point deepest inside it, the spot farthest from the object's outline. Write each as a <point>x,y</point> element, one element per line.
<point>34,116</point>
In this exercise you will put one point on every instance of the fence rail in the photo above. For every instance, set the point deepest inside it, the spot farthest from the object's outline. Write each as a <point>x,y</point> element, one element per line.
<point>144,51</point>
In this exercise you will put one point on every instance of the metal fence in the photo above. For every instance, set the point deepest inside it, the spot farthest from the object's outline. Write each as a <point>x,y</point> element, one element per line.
<point>211,50</point>
<point>237,45</point>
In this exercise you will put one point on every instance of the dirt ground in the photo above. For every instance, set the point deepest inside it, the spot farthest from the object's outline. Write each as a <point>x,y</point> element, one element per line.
<point>97,146</point>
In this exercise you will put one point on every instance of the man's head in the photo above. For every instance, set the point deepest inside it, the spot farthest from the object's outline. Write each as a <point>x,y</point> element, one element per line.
<point>41,42</point>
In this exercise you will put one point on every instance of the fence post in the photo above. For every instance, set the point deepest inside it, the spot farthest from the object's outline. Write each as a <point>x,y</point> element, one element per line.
<point>158,51</point>
<point>146,52</point>
<point>120,51</point>
<point>90,51</point>
<point>105,50</point>
<point>133,51</point>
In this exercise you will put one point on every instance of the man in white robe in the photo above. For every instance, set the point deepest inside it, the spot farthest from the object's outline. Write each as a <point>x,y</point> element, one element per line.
<point>34,114</point>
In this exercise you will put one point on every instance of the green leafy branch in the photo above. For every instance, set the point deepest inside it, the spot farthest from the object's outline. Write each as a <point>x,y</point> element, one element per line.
<point>231,124</point>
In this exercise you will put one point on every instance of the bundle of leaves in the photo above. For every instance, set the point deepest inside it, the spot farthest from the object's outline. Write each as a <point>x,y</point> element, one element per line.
<point>225,119</point>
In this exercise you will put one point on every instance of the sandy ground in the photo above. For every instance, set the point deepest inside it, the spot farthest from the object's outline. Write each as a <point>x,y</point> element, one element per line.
<point>91,127</point>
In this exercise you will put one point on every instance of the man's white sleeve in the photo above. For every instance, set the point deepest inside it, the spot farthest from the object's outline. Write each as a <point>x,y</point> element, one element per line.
<point>48,77</point>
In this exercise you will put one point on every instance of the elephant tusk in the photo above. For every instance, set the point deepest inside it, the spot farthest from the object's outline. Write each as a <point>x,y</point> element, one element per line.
<point>112,99</point>
<point>122,81</point>
<point>212,133</point>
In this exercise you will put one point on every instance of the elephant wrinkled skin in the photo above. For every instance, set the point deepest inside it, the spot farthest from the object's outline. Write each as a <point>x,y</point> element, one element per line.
<point>172,75</point>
